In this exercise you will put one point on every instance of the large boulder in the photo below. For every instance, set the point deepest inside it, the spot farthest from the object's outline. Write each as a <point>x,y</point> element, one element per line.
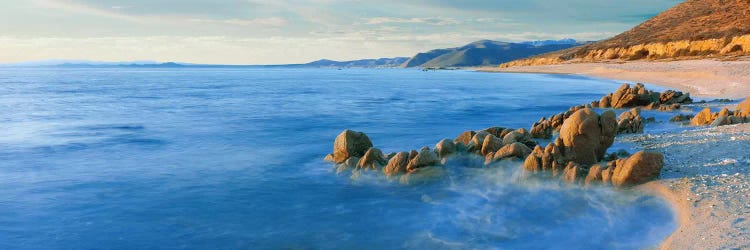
<point>637,169</point>
<point>397,164</point>
<point>373,159</point>
<point>350,144</point>
<point>586,136</point>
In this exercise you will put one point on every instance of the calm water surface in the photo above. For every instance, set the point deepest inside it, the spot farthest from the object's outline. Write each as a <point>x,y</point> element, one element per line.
<point>232,158</point>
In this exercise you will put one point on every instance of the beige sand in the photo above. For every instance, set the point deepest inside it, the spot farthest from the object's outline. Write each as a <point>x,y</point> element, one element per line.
<point>702,78</point>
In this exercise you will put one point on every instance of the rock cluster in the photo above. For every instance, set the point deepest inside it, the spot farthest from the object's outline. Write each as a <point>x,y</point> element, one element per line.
<point>638,96</point>
<point>630,122</point>
<point>722,118</point>
<point>544,128</point>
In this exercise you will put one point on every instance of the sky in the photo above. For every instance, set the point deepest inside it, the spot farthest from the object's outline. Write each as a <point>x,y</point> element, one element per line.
<point>295,31</point>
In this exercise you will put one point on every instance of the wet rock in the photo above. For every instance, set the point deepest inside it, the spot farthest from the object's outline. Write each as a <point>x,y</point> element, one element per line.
<point>445,148</point>
<point>373,159</point>
<point>516,149</point>
<point>351,162</point>
<point>637,169</point>
<point>594,176</point>
<point>630,122</point>
<point>350,144</point>
<point>571,173</point>
<point>465,137</point>
<point>397,164</point>
<point>491,144</point>
<point>722,120</point>
<point>424,158</point>
<point>586,136</point>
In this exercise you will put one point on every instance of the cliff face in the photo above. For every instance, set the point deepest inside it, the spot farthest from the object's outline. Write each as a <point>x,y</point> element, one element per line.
<point>694,28</point>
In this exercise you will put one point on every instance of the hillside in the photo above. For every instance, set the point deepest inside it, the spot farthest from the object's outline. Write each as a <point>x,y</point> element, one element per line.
<point>692,29</point>
<point>485,52</point>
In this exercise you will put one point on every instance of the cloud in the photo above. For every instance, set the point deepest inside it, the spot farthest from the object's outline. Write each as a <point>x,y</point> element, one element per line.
<point>430,21</point>
<point>271,21</point>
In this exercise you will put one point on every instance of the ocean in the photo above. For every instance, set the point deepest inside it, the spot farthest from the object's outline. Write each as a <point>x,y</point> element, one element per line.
<point>232,158</point>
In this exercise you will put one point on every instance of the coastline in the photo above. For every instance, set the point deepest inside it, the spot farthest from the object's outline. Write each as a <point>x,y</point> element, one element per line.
<point>702,78</point>
<point>706,177</point>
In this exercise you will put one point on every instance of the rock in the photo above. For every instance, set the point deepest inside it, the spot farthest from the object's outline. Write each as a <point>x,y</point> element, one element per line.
<point>724,112</point>
<point>702,118</point>
<point>475,145</point>
<point>533,162</point>
<point>605,102</point>
<point>571,173</point>
<point>373,159</point>
<point>496,131</point>
<point>465,137</point>
<point>627,97</point>
<point>491,144</point>
<point>445,147</point>
<point>413,154</point>
<point>329,158</point>
<point>722,120</point>
<point>422,175</point>
<point>672,97</point>
<point>390,155</point>
<point>397,164</point>
<point>586,136</point>
<point>736,119</point>
<point>594,176</point>
<point>351,162</point>
<point>630,122</point>
<point>637,169</point>
<point>607,174</point>
<point>681,118</point>
<point>743,109</point>
<point>350,144</point>
<point>541,129</point>
<point>516,149</point>
<point>424,158</point>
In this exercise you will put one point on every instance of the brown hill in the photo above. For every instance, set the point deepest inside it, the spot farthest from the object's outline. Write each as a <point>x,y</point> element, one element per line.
<point>694,28</point>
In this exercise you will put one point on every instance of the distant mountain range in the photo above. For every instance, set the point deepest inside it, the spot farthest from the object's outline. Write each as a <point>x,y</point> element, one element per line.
<point>486,53</point>
<point>480,53</point>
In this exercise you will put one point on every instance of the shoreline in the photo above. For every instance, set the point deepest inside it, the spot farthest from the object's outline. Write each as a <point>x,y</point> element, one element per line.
<point>702,78</point>
<point>710,195</point>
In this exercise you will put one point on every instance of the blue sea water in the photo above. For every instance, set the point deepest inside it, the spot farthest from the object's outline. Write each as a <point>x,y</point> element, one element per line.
<point>228,158</point>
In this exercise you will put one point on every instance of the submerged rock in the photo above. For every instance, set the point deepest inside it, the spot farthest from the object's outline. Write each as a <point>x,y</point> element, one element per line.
<point>350,144</point>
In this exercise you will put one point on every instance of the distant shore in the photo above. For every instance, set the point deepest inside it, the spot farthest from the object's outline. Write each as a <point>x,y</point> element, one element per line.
<point>702,78</point>
<point>706,176</point>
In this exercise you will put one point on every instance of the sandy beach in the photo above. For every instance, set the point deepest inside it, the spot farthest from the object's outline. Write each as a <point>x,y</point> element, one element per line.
<point>702,78</point>
<point>706,176</point>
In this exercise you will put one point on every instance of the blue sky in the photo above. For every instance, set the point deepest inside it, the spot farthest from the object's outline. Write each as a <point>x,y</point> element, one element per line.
<point>294,31</point>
